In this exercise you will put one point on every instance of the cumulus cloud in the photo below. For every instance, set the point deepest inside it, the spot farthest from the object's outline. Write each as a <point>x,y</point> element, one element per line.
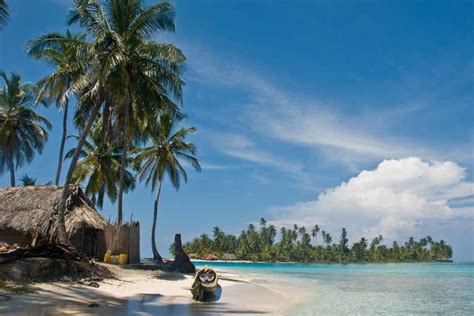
<point>397,196</point>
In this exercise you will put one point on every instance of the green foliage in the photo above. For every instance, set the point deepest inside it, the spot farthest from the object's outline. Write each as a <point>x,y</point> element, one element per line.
<point>167,152</point>
<point>99,169</point>
<point>23,132</point>
<point>295,245</point>
<point>3,13</point>
<point>27,180</point>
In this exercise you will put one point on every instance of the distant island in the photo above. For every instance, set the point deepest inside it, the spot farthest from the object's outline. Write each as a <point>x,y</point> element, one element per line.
<point>299,244</point>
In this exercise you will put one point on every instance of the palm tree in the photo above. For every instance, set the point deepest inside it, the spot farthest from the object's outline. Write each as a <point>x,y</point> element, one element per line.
<point>302,231</point>
<point>27,180</point>
<point>22,130</point>
<point>129,74</point>
<point>327,239</point>
<point>67,53</point>
<point>3,13</point>
<point>314,233</point>
<point>140,74</point>
<point>168,148</point>
<point>98,169</point>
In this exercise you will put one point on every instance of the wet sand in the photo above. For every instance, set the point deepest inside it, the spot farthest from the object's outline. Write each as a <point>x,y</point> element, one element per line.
<point>138,292</point>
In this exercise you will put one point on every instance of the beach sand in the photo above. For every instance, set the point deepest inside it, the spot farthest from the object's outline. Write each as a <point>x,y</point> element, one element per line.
<point>138,292</point>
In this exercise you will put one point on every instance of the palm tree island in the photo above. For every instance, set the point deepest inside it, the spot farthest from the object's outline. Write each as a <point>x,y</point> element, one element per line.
<point>296,245</point>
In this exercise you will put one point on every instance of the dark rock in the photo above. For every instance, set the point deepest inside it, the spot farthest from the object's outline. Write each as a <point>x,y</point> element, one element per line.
<point>93,284</point>
<point>181,262</point>
<point>93,304</point>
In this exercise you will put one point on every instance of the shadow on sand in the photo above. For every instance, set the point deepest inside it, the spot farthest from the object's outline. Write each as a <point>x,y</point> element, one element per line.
<point>77,301</point>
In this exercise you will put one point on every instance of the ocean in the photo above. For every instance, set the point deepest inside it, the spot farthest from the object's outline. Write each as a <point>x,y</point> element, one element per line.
<point>373,289</point>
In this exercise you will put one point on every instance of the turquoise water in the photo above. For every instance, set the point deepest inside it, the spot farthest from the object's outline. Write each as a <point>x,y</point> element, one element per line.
<point>375,289</point>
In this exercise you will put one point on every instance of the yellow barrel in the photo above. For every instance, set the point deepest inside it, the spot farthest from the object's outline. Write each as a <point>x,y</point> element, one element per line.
<point>114,259</point>
<point>107,257</point>
<point>123,258</point>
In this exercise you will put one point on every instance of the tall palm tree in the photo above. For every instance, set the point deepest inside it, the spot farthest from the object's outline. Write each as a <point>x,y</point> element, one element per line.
<point>314,233</point>
<point>100,169</point>
<point>327,239</point>
<point>3,13</point>
<point>22,131</point>
<point>168,148</point>
<point>141,74</point>
<point>68,54</point>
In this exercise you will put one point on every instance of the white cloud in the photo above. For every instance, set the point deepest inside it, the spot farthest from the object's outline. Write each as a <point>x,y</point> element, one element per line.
<point>398,196</point>
<point>214,166</point>
<point>310,122</point>
<point>239,146</point>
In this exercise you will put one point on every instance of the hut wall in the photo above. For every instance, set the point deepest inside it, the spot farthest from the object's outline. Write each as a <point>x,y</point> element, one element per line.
<point>123,239</point>
<point>134,254</point>
<point>93,243</point>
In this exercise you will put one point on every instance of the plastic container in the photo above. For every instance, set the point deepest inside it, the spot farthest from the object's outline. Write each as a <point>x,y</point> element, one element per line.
<point>107,256</point>
<point>114,259</point>
<point>123,258</point>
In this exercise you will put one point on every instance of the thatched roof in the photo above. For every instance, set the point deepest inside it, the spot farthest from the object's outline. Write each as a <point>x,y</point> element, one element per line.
<point>32,210</point>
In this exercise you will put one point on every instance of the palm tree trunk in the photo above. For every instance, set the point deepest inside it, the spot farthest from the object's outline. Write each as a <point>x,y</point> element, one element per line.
<point>11,166</point>
<point>63,142</point>
<point>63,239</point>
<point>100,198</point>
<point>104,145</point>
<point>156,255</point>
<point>122,164</point>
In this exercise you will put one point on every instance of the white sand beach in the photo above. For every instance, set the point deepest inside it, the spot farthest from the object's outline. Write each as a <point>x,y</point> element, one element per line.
<point>138,292</point>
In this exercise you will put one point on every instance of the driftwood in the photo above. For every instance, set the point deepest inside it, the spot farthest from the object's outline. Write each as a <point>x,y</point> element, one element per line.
<point>69,261</point>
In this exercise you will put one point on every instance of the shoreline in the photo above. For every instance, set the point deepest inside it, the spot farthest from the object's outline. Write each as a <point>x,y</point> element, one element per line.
<point>325,262</point>
<point>156,292</point>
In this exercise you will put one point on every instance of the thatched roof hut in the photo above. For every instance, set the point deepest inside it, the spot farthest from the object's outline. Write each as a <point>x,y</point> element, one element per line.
<point>210,256</point>
<point>28,215</point>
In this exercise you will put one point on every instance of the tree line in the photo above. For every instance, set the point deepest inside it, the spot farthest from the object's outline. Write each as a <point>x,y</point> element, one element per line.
<point>298,244</point>
<point>124,89</point>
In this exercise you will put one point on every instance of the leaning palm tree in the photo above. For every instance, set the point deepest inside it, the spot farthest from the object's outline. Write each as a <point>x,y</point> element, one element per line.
<point>168,148</point>
<point>127,71</point>
<point>68,54</point>
<point>136,75</point>
<point>99,169</point>
<point>22,130</point>
<point>3,13</point>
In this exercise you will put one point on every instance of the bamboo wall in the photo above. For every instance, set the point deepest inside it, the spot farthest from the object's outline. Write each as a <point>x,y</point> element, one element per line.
<point>124,239</point>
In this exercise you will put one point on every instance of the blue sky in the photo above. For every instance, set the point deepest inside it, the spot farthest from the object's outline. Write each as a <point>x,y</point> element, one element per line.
<point>341,113</point>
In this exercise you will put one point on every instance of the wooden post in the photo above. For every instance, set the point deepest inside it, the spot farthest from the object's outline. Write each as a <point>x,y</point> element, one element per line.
<point>180,255</point>
<point>181,260</point>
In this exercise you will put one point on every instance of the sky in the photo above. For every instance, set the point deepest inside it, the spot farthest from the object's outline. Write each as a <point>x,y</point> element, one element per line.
<point>337,113</point>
